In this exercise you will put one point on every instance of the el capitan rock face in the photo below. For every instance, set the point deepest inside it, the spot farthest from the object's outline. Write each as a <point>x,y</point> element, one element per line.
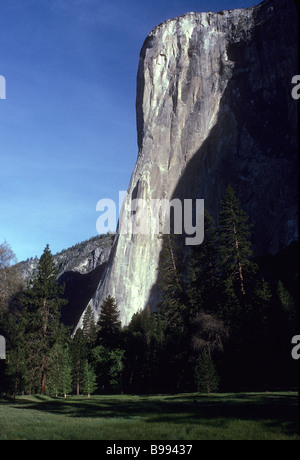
<point>214,107</point>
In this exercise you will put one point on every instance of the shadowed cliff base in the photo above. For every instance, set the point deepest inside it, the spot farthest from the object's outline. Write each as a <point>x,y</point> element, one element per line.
<point>79,289</point>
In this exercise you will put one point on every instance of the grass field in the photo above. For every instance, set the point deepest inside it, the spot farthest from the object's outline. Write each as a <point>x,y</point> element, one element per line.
<point>242,416</point>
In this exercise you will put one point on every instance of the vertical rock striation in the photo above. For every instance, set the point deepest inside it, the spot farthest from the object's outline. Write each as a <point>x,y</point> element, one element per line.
<point>214,107</point>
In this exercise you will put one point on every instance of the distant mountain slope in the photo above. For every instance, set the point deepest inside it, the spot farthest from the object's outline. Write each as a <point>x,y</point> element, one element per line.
<point>80,268</point>
<point>82,257</point>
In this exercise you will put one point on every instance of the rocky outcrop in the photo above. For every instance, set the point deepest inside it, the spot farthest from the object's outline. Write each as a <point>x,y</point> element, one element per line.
<point>86,256</point>
<point>81,258</point>
<point>80,269</point>
<point>214,107</point>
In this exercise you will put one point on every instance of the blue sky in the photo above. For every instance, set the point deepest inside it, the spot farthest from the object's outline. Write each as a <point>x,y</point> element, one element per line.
<point>67,125</point>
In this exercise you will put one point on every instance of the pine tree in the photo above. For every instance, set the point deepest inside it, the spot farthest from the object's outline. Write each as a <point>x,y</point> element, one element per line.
<point>40,320</point>
<point>16,363</point>
<point>286,301</point>
<point>203,280</point>
<point>89,327</point>
<point>235,248</point>
<point>207,379</point>
<point>79,354</point>
<point>144,337</point>
<point>109,324</point>
<point>101,362</point>
<point>116,368</point>
<point>108,364</point>
<point>89,379</point>
<point>176,314</point>
<point>173,302</point>
<point>59,378</point>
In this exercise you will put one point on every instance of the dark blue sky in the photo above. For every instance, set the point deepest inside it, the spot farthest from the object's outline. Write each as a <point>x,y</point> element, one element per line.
<point>67,125</point>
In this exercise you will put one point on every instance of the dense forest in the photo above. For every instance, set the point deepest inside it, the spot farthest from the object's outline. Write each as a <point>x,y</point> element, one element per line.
<point>224,323</point>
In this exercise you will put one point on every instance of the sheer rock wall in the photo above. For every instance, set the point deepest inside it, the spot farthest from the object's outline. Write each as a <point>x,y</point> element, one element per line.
<point>214,107</point>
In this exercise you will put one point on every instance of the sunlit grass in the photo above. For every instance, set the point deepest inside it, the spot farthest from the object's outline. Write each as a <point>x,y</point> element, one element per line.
<point>271,416</point>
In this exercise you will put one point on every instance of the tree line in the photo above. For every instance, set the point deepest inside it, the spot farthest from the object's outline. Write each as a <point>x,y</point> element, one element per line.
<point>224,322</point>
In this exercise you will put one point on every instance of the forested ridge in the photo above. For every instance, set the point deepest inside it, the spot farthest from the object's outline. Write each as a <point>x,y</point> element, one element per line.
<point>224,322</point>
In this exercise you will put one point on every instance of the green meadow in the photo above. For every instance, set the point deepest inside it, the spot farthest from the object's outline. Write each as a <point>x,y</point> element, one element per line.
<point>186,417</point>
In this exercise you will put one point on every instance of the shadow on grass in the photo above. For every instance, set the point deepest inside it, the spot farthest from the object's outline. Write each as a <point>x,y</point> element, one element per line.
<point>218,410</point>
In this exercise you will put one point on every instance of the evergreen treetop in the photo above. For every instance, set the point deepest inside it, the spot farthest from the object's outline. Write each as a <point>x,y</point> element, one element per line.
<point>108,324</point>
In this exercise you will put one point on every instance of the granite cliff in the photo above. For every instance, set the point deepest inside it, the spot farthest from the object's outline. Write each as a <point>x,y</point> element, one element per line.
<point>214,107</point>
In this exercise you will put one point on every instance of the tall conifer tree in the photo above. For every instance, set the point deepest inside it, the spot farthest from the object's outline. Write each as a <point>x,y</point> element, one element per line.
<point>89,327</point>
<point>235,247</point>
<point>203,281</point>
<point>109,324</point>
<point>42,302</point>
<point>79,356</point>
<point>170,283</point>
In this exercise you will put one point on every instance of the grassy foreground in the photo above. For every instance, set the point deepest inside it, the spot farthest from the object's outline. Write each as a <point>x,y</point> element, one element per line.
<point>242,416</point>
